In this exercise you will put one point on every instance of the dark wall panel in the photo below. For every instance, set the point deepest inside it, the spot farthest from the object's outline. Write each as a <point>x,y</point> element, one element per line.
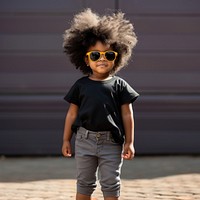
<point>37,6</point>
<point>35,74</point>
<point>157,7</point>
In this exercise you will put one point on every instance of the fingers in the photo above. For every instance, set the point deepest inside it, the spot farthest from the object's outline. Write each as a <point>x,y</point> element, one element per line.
<point>66,150</point>
<point>68,153</point>
<point>128,154</point>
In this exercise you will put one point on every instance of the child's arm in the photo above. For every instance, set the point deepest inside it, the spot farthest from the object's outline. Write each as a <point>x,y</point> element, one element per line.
<point>70,118</point>
<point>128,122</point>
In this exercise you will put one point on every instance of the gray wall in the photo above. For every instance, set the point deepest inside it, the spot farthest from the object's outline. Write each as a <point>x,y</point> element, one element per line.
<point>35,74</point>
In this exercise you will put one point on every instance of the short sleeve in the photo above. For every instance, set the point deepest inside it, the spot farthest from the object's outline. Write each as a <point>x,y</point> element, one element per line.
<point>73,95</point>
<point>127,93</point>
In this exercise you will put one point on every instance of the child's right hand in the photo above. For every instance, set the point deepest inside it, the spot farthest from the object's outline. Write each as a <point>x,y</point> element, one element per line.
<point>66,149</point>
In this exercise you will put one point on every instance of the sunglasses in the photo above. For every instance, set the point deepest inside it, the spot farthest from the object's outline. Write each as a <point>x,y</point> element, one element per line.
<point>96,55</point>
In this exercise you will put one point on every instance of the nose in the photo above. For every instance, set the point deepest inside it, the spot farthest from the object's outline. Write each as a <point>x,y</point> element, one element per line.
<point>102,57</point>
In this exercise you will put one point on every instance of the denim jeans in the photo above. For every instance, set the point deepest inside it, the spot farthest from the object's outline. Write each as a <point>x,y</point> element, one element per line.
<point>97,151</point>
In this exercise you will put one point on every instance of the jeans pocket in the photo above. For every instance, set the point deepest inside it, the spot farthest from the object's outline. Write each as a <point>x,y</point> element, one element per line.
<point>79,136</point>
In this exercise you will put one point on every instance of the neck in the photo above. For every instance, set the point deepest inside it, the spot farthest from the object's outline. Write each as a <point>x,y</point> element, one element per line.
<point>100,77</point>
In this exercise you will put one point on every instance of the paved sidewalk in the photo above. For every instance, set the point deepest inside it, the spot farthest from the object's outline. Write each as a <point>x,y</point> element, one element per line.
<point>52,178</point>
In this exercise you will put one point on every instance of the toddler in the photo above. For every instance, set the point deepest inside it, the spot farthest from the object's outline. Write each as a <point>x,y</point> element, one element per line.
<point>100,111</point>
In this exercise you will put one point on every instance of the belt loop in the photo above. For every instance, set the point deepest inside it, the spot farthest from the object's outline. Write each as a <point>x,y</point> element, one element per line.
<point>86,134</point>
<point>108,136</point>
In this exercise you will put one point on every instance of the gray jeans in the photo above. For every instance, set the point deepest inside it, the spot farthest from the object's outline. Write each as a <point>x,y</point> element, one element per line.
<point>97,150</point>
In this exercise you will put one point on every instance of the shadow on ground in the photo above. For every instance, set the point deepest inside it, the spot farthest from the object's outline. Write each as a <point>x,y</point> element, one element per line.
<point>43,168</point>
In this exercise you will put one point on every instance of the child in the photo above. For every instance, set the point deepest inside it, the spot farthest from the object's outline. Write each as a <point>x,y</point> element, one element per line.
<point>100,111</point>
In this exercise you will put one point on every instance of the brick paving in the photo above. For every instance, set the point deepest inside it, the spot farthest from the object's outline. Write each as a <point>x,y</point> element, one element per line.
<point>52,178</point>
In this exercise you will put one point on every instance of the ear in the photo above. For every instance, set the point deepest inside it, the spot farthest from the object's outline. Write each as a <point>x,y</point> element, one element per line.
<point>86,60</point>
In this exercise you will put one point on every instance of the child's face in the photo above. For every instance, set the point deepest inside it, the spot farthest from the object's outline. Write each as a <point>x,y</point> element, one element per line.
<point>101,67</point>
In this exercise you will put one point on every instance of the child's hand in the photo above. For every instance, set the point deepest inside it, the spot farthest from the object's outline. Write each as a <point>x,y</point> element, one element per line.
<point>66,149</point>
<point>128,152</point>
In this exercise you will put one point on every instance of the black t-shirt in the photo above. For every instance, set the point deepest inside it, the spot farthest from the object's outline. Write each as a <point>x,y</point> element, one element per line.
<point>100,103</point>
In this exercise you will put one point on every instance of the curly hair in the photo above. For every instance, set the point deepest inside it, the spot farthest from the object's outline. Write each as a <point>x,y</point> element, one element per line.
<point>88,27</point>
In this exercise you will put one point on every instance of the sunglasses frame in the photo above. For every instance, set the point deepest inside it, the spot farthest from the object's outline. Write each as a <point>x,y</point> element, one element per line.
<point>101,53</point>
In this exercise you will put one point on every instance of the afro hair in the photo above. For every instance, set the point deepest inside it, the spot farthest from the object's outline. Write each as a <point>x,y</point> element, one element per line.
<point>88,27</point>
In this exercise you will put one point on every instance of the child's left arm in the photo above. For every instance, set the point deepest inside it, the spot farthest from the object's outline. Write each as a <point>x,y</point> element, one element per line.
<point>128,122</point>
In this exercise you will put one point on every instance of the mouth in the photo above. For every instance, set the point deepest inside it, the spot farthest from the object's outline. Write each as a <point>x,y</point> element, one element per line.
<point>102,65</point>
